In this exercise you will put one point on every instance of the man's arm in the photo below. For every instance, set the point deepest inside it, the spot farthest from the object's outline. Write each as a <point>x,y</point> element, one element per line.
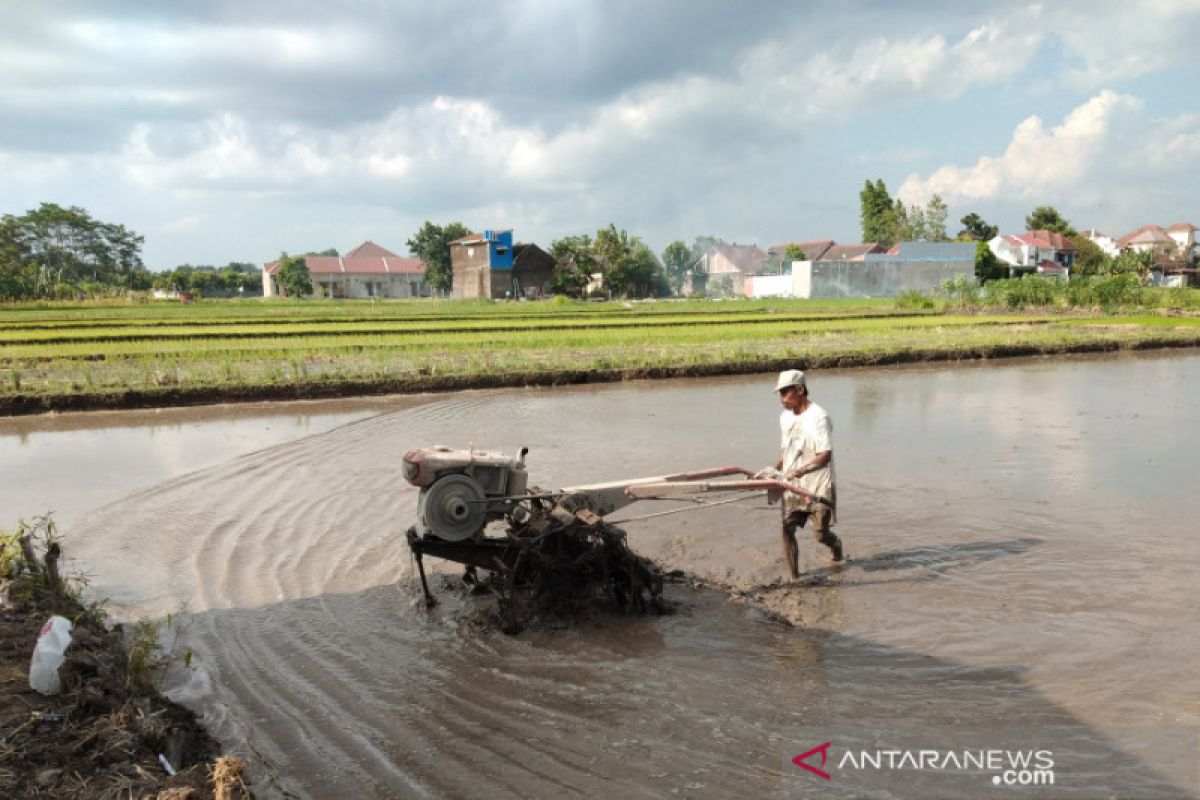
<point>821,460</point>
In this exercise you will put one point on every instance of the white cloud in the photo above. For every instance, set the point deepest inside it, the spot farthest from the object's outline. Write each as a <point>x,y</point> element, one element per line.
<point>1037,160</point>
<point>881,72</point>
<point>1116,40</point>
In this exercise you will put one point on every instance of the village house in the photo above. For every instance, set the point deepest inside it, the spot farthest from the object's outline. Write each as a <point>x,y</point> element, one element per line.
<point>1175,251</point>
<point>1177,242</point>
<point>813,250</point>
<point>367,271</point>
<point>489,265</point>
<point>850,252</point>
<point>1040,252</point>
<point>733,261</point>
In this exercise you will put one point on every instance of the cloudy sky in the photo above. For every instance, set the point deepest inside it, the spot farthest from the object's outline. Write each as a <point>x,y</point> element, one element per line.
<point>233,130</point>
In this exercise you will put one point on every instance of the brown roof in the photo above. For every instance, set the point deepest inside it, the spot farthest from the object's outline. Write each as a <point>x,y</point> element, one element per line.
<point>1123,242</point>
<point>1151,236</point>
<point>1048,240</point>
<point>813,249</point>
<point>369,249</point>
<point>849,252</point>
<point>340,265</point>
<point>1182,226</point>
<point>746,257</point>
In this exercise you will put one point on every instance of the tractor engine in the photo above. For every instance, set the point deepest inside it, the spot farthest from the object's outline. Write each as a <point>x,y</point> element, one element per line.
<point>463,490</point>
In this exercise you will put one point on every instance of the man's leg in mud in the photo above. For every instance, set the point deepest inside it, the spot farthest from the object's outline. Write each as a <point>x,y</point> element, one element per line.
<point>821,515</point>
<point>791,551</point>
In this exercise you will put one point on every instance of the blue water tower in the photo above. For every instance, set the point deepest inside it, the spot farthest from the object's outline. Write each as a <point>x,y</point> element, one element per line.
<point>500,249</point>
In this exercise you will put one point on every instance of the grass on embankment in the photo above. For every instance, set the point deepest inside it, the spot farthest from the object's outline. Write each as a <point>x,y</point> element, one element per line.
<point>482,344</point>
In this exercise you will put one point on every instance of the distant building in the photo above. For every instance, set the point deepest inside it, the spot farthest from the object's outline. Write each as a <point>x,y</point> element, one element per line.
<point>1039,252</point>
<point>367,271</point>
<point>489,265</point>
<point>1184,234</point>
<point>813,249</point>
<point>909,266</point>
<point>1107,244</point>
<point>1176,243</point>
<point>735,261</point>
<point>848,252</point>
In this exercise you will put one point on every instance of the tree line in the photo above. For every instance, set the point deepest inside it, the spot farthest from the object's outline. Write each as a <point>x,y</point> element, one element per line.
<point>58,253</point>
<point>53,252</point>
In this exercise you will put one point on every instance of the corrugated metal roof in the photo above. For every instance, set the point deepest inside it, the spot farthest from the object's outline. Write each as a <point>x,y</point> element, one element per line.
<point>928,251</point>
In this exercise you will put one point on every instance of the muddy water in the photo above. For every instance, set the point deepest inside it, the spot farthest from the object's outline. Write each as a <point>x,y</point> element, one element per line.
<point>1023,576</point>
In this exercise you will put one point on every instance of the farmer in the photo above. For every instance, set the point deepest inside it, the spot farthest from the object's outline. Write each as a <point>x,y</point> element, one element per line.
<point>806,461</point>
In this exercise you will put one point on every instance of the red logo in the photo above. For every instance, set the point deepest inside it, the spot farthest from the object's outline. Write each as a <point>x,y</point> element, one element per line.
<point>823,750</point>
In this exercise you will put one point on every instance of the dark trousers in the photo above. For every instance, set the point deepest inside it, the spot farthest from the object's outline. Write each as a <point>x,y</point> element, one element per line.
<point>822,518</point>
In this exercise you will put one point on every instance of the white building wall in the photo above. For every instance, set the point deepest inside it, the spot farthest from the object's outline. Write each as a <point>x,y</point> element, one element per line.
<point>802,279</point>
<point>768,286</point>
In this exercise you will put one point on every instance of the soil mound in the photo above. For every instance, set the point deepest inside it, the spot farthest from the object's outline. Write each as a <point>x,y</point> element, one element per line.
<point>107,734</point>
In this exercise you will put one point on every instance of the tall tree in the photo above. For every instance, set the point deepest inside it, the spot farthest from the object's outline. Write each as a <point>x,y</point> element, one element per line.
<point>987,266</point>
<point>974,227</point>
<point>574,263</point>
<point>292,275</point>
<point>677,260</point>
<point>18,274</point>
<point>878,214</point>
<point>629,266</point>
<point>1090,260</point>
<point>1047,218</point>
<point>431,244</point>
<point>935,219</point>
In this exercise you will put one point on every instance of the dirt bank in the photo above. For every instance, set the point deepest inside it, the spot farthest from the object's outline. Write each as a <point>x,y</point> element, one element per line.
<point>109,733</point>
<point>420,383</point>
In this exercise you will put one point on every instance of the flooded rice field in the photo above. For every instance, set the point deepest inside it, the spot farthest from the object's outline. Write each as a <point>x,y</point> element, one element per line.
<point>1022,580</point>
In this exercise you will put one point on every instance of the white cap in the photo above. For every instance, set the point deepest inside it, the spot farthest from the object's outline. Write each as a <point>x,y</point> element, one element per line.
<point>790,377</point>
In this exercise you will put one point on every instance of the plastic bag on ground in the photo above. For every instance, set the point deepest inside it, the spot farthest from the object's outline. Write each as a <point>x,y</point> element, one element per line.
<point>48,655</point>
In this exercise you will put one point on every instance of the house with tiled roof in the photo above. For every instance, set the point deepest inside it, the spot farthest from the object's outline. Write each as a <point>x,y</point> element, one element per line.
<point>1151,239</point>
<point>735,261</point>
<point>1040,252</point>
<point>367,271</point>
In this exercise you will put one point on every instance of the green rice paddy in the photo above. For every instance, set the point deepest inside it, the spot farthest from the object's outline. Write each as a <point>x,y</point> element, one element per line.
<point>89,356</point>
